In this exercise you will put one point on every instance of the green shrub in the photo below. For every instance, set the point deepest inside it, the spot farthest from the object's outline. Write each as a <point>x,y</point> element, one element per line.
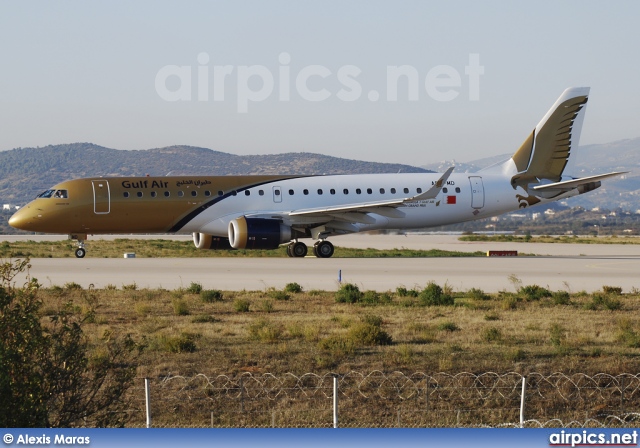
<point>534,292</point>
<point>491,334</point>
<point>600,301</point>
<point>348,293</point>
<point>557,334</point>
<point>364,333</point>
<point>211,295</point>
<point>278,295</point>
<point>561,298</point>
<point>194,288</point>
<point>72,286</point>
<point>182,343</point>
<point>433,295</point>
<point>478,294</point>
<point>627,335</point>
<point>615,290</point>
<point>180,307</point>
<point>293,288</point>
<point>130,287</point>
<point>337,345</point>
<point>266,306</point>
<point>404,292</point>
<point>264,330</point>
<point>241,305</point>
<point>448,326</point>
<point>372,319</point>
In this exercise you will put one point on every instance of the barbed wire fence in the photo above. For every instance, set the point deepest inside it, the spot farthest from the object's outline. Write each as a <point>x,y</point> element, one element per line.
<point>396,399</point>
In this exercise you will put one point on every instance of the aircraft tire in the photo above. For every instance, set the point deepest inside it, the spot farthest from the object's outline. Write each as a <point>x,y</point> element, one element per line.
<point>80,252</point>
<point>323,249</point>
<point>299,249</point>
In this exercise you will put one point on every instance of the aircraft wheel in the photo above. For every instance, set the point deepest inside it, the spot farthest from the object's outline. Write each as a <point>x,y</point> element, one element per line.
<point>299,249</point>
<point>289,250</point>
<point>323,249</point>
<point>80,252</point>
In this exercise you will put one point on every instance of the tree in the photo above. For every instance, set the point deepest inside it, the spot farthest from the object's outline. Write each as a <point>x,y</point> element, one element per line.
<point>49,375</point>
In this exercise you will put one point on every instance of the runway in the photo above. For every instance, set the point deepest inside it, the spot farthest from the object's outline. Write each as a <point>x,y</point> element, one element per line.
<point>562,266</point>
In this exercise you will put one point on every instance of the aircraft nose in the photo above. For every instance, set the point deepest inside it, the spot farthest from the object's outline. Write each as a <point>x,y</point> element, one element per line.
<point>21,220</point>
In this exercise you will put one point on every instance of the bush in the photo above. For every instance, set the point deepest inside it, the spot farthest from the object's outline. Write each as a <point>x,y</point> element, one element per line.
<point>72,286</point>
<point>194,288</point>
<point>364,333</point>
<point>49,374</point>
<point>182,343</point>
<point>478,294</point>
<point>557,335</point>
<point>265,331</point>
<point>600,301</point>
<point>278,295</point>
<point>491,334</point>
<point>180,307</point>
<point>534,292</point>
<point>615,290</point>
<point>241,305</point>
<point>448,326</point>
<point>561,298</point>
<point>293,288</point>
<point>348,293</point>
<point>211,295</point>
<point>404,292</point>
<point>433,295</point>
<point>374,298</point>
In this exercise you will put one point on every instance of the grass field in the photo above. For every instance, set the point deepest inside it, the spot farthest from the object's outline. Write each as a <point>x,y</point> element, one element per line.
<point>431,329</point>
<point>190,331</point>
<point>157,248</point>
<point>552,239</point>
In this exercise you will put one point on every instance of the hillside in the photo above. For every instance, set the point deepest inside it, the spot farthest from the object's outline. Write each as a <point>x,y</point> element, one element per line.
<point>25,172</point>
<point>622,155</point>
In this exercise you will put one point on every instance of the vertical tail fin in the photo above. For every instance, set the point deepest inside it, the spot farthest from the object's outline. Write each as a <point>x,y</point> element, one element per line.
<point>546,151</point>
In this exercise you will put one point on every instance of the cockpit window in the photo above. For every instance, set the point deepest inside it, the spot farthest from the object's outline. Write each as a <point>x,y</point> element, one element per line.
<point>62,194</point>
<point>47,194</point>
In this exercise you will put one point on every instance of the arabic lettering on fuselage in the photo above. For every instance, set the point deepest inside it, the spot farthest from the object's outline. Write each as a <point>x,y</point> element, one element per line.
<point>196,183</point>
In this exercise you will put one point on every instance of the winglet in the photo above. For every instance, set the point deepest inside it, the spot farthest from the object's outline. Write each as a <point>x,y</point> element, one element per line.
<point>432,192</point>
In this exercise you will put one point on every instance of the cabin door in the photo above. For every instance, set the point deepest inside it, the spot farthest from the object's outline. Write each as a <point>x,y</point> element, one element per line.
<point>101,197</point>
<point>477,192</point>
<point>277,194</point>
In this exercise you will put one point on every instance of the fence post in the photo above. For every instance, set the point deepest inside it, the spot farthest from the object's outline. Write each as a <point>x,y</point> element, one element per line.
<point>522,396</point>
<point>241,394</point>
<point>147,399</point>
<point>335,401</point>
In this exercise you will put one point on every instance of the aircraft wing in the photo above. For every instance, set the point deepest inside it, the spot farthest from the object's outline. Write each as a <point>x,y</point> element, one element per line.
<point>575,183</point>
<point>384,208</point>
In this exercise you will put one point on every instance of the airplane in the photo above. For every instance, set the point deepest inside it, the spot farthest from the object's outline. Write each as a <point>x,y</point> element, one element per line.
<point>264,212</point>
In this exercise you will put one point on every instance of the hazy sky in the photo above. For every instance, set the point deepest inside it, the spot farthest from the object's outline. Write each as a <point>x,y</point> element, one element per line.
<point>259,77</point>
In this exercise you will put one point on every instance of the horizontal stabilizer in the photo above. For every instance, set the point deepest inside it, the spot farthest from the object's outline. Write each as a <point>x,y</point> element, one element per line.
<point>575,183</point>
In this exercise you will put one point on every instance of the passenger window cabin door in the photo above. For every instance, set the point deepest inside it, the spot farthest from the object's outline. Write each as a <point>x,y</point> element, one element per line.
<point>277,194</point>
<point>101,197</point>
<point>477,192</point>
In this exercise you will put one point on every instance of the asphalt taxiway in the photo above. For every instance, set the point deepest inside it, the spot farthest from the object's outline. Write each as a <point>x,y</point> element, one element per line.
<point>557,266</point>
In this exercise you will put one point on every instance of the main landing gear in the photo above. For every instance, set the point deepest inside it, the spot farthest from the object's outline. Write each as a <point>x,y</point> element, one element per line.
<point>80,251</point>
<point>321,249</point>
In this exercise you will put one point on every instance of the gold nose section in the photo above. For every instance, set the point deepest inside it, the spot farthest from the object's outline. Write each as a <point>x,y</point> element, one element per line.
<point>21,219</point>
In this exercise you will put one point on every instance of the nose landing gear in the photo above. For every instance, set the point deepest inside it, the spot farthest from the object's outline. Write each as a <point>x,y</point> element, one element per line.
<point>80,238</point>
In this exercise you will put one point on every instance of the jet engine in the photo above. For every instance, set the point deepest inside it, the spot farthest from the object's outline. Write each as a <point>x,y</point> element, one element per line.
<point>204,241</point>
<point>258,233</point>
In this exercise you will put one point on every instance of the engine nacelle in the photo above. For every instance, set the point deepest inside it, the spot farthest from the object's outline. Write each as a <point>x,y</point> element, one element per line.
<point>204,241</point>
<point>258,233</point>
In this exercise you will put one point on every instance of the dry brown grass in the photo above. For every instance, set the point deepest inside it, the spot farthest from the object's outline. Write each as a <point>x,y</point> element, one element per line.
<point>295,335</point>
<point>310,332</point>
